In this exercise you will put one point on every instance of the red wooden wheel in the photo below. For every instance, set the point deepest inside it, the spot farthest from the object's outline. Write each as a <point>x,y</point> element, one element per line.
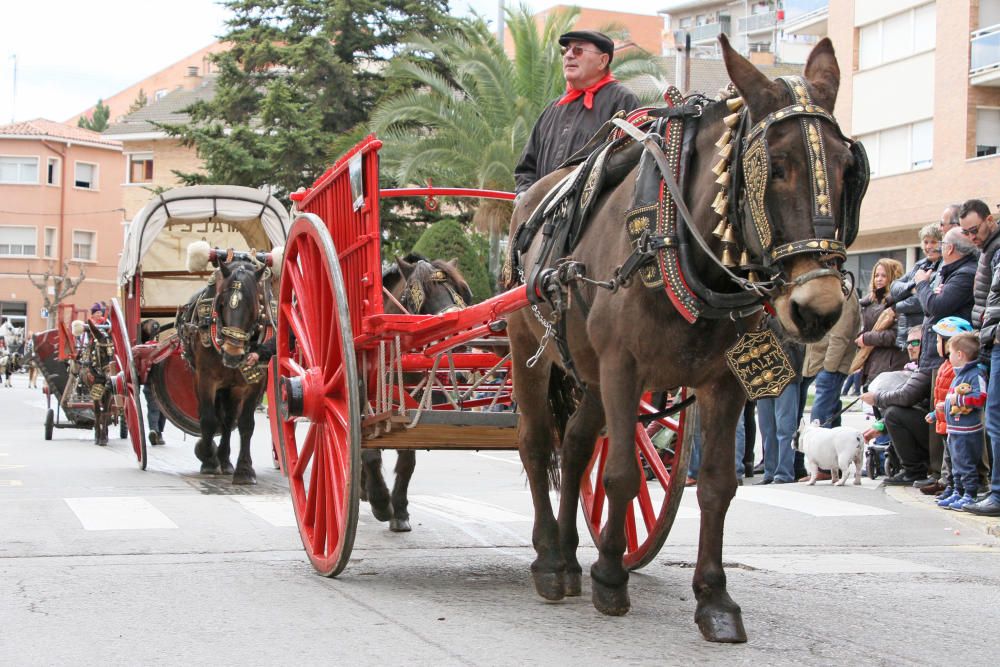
<point>126,383</point>
<point>319,413</point>
<point>653,510</point>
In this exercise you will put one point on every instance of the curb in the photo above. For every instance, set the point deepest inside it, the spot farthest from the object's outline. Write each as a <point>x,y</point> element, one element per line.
<point>911,496</point>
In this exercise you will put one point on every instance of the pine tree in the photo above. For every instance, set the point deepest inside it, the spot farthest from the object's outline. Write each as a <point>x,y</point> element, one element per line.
<point>139,102</point>
<point>301,75</point>
<point>98,120</point>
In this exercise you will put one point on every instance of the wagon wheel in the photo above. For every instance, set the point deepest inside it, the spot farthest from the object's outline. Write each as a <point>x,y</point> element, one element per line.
<point>649,519</point>
<point>49,423</point>
<point>127,383</point>
<point>317,387</point>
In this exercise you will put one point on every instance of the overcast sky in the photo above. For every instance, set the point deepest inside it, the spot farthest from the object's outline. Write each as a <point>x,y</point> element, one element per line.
<point>70,53</point>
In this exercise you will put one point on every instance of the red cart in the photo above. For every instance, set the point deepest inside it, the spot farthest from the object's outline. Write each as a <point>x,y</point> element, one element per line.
<point>339,381</point>
<point>154,282</point>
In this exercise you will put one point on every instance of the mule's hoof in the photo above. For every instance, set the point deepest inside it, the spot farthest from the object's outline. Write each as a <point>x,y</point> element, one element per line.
<point>574,584</point>
<point>721,623</point>
<point>210,469</point>
<point>381,512</point>
<point>245,478</point>
<point>610,600</point>
<point>550,585</point>
<point>398,525</point>
<point>226,467</point>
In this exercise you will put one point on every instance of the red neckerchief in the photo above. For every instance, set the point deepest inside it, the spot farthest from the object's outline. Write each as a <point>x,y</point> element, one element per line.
<point>587,93</point>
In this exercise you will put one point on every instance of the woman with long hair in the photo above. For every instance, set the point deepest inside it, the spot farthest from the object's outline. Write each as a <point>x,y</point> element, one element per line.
<point>878,336</point>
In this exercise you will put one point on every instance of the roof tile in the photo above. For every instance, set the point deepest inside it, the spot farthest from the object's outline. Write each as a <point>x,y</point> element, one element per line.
<point>43,128</point>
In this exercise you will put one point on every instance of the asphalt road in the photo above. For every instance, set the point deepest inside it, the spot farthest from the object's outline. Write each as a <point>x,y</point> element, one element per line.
<point>103,564</point>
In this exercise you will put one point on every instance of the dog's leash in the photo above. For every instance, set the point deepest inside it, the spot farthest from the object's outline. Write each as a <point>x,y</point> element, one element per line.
<point>840,412</point>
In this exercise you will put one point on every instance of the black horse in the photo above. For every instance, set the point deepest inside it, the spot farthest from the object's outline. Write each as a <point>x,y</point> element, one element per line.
<point>421,287</point>
<point>218,327</point>
<point>96,368</point>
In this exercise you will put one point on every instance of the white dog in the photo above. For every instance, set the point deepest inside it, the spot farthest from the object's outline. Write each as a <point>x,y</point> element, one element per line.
<point>831,448</point>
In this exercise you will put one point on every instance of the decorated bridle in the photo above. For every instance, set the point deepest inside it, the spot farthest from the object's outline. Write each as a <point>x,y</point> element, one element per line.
<point>745,171</point>
<point>263,324</point>
<point>413,296</point>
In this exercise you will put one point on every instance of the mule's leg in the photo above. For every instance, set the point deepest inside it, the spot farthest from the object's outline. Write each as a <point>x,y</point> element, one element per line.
<point>620,396</point>
<point>406,461</point>
<point>535,446</point>
<point>205,449</point>
<point>720,405</point>
<point>227,406</point>
<point>374,484</point>
<point>244,473</point>
<point>577,449</point>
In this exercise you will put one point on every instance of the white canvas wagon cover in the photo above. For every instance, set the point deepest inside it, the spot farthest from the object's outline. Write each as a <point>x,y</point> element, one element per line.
<point>227,216</point>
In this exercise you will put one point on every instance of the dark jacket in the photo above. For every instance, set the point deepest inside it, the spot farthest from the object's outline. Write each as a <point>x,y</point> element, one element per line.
<point>991,315</point>
<point>562,130</point>
<point>984,276</point>
<point>915,392</point>
<point>903,293</point>
<point>885,356</point>
<point>953,298</point>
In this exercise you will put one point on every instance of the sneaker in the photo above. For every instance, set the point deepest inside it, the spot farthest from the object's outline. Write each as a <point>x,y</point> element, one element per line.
<point>988,507</point>
<point>924,483</point>
<point>945,493</point>
<point>966,499</point>
<point>948,500</point>
<point>900,479</point>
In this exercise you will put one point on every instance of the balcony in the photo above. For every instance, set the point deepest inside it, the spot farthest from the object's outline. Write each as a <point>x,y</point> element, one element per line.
<point>984,57</point>
<point>758,23</point>
<point>811,23</point>
<point>710,31</point>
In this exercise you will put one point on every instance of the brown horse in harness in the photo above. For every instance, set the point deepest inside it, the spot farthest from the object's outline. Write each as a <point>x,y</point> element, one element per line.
<point>95,359</point>
<point>784,198</point>
<point>218,327</point>
<point>417,286</point>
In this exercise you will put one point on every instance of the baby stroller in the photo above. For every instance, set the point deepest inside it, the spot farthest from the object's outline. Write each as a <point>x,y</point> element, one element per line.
<point>881,457</point>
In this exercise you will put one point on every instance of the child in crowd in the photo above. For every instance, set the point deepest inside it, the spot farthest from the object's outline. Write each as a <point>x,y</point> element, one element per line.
<point>963,413</point>
<point>945,329</point>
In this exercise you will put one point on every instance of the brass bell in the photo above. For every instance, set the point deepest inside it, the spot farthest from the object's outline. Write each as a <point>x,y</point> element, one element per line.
<point>720,167</point>
<point>752,277</point>
<point>723,180</point>
<point>732,119</point>
<point>729,236</point>
<point>744,257</point>
<point>726,137</point>
<point>726,151</point>
<point>722,206</point>
<point>734,103</point>
<point>718,198</point>
<point>727,258</point>
<point>720,228</point>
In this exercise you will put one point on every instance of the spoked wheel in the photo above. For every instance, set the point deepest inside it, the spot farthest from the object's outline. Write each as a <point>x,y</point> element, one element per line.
<point>317,385</point>
<point>653,510</point>
<point>274,415</point>
<point>126,384</point>
<point>50,421</point>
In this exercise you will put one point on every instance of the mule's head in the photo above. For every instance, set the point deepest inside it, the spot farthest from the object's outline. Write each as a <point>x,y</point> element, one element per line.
<point>803,181</point>
<point>433,286</point>
<point>238,308</point>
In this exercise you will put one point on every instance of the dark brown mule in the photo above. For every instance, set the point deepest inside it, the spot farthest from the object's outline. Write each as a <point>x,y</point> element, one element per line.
<point>225,397</point>
<point>634,340</point>
<point>94,373</point>
<point>421,287</point>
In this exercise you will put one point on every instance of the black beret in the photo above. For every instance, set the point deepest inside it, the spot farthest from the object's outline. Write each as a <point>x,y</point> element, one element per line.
<point>604,43</point>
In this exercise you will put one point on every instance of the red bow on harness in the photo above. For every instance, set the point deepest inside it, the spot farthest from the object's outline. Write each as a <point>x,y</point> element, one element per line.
<point>587,93</point>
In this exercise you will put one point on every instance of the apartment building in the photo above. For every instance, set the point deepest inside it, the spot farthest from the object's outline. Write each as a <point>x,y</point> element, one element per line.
<point>755,28</point>
<point>920,87</point>
<point>645,31</point>
<point>60,201</point>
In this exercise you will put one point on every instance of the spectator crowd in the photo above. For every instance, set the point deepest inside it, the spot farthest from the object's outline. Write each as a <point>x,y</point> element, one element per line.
<point>921,349</point>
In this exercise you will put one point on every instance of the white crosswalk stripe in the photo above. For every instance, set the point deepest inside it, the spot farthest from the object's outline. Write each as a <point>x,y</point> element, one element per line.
<point>276,510</point>
<point>841,563</point>
<point>807,503</point>
<point>118,513</point>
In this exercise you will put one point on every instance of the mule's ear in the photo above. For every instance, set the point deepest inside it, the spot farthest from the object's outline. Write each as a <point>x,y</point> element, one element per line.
<point>756,89</point>
<point>823,72</point>
<point>405,268</point>
<point>453,262</point>
<point>225,269</point>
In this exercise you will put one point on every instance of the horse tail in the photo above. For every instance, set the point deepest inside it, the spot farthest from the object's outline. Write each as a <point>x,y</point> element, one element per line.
<point>562,403</point>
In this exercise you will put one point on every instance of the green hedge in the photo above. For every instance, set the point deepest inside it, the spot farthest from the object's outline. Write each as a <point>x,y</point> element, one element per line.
<point>447,240</point>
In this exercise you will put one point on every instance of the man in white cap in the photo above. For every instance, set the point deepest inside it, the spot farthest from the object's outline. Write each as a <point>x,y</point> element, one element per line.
<point>592,96</point>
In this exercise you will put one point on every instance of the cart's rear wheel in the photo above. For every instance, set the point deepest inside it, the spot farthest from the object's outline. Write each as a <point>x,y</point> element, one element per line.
<point>317,385</point>
<point>126,383</point>
<point>653,510</point>
<point>50,420</point>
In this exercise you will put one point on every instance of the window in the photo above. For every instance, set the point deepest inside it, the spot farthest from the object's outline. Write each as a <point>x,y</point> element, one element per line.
<point>160,94</point>
<point>50,242</point>
<point>18,241</point>
<point>863,264</point>
<point>897,37</point>
<point>18,170</point>
<point>987,132</point>
<point>83,245</point>
<point>140,168</point>
<point>52,171</point>
<point>85,175</point>
<point>900,149</point>
<point>685,22</point>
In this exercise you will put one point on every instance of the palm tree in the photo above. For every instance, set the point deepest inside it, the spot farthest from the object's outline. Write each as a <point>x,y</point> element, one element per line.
<point>468,127</point>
